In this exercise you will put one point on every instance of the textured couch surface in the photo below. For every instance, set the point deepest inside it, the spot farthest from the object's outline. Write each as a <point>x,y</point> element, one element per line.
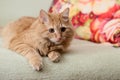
<point>83,61</point>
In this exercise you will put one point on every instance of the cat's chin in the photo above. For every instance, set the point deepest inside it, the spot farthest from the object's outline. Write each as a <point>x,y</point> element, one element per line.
<point>55,42</point>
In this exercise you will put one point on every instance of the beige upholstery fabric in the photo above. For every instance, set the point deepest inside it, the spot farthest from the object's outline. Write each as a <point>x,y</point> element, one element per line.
<point>83,61</point>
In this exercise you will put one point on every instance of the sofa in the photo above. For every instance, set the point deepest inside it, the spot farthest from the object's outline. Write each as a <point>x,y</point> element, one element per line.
<point>84,60</point>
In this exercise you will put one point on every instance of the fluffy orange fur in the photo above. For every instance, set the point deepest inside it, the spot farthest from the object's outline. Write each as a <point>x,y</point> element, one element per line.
<point>48,35</point>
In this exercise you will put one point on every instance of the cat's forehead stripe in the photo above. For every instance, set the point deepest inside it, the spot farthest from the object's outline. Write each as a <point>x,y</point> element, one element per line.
<point>55,20</point>
<point>60,22</point>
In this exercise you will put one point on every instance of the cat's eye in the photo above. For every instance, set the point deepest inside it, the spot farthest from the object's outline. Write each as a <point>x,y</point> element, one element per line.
<point>51,30</point>
<point>63,29</point>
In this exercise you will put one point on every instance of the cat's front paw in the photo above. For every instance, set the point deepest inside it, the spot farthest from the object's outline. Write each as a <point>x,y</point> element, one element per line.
<point>60,48</point>
<point>36,64</point>
<point>54,56</point>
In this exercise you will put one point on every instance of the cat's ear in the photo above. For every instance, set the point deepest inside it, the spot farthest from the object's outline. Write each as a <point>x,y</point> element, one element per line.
<point>65,15</point>
<point>44,18</point>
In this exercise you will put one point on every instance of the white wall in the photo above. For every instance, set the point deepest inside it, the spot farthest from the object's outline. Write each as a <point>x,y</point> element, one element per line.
<point>13,9</point>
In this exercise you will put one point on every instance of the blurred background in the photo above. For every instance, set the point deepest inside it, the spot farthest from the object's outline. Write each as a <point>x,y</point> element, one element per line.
<point>13,9</point>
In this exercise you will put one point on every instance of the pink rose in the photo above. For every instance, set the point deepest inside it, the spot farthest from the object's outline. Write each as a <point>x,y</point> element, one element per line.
<point>112,30</point>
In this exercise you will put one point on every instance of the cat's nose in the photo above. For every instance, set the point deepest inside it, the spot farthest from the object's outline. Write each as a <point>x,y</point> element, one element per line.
<point>59,39</point>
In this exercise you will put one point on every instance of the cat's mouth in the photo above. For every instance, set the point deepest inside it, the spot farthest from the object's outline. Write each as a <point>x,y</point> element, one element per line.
<point>57,41</point>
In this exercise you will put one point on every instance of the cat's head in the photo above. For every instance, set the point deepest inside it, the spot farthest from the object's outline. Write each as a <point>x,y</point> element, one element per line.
<point>58,27</point>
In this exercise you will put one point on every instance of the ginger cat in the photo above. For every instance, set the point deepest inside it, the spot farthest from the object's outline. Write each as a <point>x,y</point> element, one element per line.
<point>48,35</point>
